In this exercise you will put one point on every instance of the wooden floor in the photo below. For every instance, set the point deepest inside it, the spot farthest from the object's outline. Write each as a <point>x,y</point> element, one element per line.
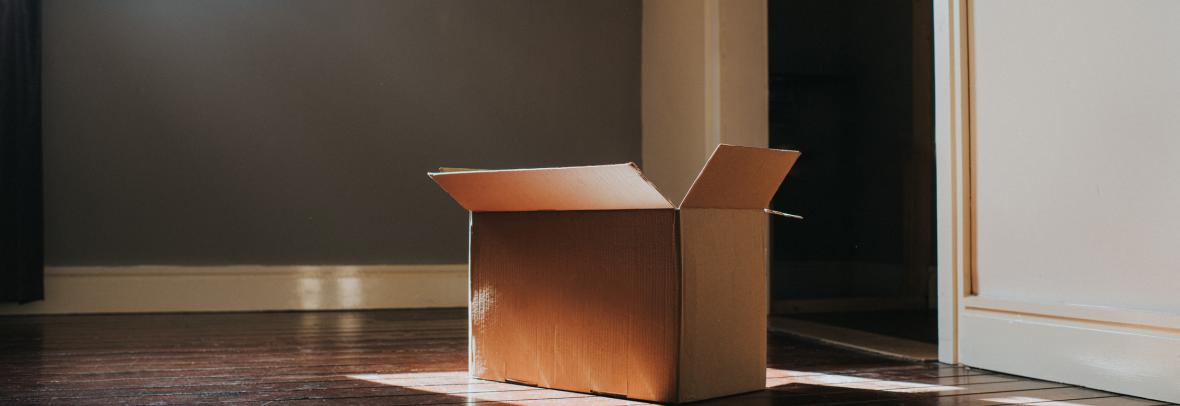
<point>409,357</point>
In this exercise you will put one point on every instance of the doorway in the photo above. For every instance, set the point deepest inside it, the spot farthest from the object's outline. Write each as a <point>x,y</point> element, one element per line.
<point>851,86</point>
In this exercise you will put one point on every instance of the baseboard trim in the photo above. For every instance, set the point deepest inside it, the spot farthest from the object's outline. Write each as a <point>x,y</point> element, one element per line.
<point>893,347</point>
<point>1103,315</point>
<point>852,304</point>
<point>1118,358</point>
<point>167,288</point>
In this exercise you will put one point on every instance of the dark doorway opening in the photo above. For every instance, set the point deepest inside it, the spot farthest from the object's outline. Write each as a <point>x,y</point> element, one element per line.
<point>851,86</point>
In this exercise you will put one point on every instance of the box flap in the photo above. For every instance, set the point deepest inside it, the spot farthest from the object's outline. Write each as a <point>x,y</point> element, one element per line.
<point>740,178</point>
<point>602,187</point>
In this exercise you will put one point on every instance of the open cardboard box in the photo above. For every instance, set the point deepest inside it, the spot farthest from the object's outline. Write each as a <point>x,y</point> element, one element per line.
<point>587,279</point>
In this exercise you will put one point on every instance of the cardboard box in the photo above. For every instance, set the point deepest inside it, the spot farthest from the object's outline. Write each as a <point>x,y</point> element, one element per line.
<point>587,279</point>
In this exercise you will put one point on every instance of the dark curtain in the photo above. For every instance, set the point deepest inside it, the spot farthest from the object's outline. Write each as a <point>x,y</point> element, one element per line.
<point>21,251</point>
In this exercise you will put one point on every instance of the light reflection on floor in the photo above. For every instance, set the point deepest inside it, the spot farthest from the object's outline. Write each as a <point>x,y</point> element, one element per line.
<point>1024,400</point>
<point>780,377</point>
<point>459,384</point>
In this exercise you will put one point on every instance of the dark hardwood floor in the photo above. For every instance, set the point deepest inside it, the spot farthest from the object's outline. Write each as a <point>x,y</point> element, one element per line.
<point>404,357</point>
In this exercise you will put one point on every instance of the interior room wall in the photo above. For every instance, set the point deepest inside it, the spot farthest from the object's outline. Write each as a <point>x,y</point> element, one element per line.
<point>704,83</point>
<point>299,132</point>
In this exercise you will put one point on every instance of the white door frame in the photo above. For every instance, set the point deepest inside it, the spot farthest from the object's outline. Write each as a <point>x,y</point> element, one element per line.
<point>952,156</point>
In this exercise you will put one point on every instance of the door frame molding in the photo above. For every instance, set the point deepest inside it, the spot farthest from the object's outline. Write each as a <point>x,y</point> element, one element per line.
<point>953,170</point>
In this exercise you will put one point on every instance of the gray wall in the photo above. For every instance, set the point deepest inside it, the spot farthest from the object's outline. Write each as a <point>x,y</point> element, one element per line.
<point>299,132</point>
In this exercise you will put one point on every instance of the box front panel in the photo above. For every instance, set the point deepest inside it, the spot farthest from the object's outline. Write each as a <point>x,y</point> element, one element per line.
<point>582,300</point>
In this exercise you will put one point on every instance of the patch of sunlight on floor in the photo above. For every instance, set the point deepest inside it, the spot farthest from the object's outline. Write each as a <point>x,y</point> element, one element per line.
<point>1021,400</point>
<point>464,388</point>
<point>779,377</point>
<point>461,386</point>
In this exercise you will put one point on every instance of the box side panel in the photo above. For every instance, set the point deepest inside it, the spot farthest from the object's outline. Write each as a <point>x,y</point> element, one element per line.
<point>584,301</point>
<point>723,337</point>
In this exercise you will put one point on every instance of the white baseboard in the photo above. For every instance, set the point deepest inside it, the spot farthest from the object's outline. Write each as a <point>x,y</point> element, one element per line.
<point>151,288</point>
<point>892,347</point>
<point>1134,359</point>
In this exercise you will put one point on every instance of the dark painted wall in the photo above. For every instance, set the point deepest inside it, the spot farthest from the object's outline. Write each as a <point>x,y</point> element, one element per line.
<point>299,132</point>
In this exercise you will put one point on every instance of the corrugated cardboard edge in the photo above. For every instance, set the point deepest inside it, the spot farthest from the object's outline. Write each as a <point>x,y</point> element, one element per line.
<point>445,169</point>
<point>677,385</point>
<point>471,365</point>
